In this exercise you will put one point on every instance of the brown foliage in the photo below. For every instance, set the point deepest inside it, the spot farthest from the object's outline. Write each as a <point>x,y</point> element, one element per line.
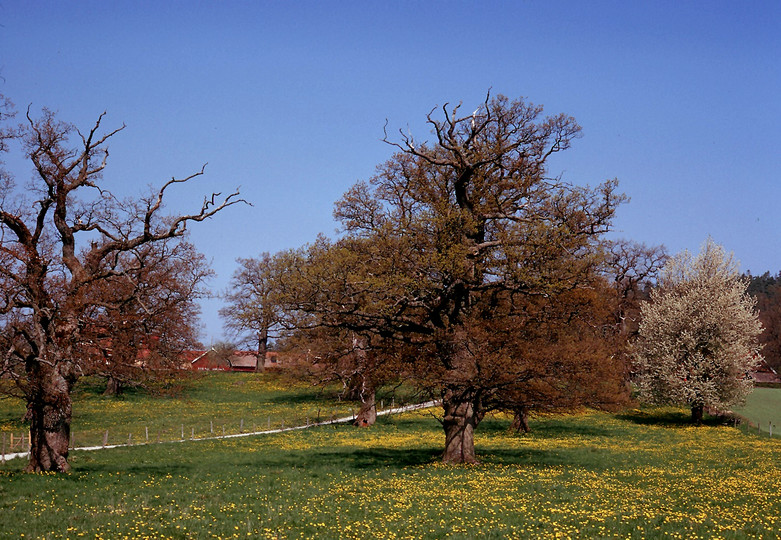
<point>467,252</point>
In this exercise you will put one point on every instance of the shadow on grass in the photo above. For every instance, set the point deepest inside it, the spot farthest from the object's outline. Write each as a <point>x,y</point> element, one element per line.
<point>666,418</point>
<point>310,397</point>
<point>382,457</point>
<point>346,459</point>
<point>83,465</point>
<point>563,428</point>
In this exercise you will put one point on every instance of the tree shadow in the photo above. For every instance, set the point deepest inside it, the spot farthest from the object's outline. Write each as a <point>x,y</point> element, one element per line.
<point>303,397</point>
<point>154,468</point>
<point>548,427</point>
<point>527,457</point>
<point>566,429</point>
<point>313,396</point>
<point>375,458</point>
<point>666,418</point>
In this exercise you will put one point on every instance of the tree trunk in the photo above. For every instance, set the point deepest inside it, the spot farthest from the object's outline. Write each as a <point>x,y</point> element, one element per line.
<point>49,412</point>
<point>459,422</point>
<point>260,367</point>
<point>113,387</point>
<point>368,413</point>
<point>697,414</point>
<point>521,421</point>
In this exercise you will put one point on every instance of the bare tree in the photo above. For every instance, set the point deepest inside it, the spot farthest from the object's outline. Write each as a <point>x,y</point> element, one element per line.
<point>220,355</point>
<point>632,269</point>
<point>252,307</point>
<point>60,243</point>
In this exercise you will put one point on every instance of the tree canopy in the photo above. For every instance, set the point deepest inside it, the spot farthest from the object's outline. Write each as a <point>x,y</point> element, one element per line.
<point>458,240</point>
<point>252,312</point>
<point>697,340</point>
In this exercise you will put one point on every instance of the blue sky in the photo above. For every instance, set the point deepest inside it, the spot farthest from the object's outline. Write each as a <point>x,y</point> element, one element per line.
<point>681,101</point>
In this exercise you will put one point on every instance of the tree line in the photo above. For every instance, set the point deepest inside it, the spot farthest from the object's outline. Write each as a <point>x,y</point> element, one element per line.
<point>766,288</point>
<point>463,267</point>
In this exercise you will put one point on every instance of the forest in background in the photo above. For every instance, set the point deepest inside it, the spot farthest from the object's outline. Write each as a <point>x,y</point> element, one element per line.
<point>767,290</point>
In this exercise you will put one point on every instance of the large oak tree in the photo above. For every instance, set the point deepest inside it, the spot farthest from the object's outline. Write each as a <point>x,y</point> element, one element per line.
<point>449,241</point>
<point>63,239</point>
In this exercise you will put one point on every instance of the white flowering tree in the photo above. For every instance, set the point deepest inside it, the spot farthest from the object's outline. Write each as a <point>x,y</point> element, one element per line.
<point>698,335</point>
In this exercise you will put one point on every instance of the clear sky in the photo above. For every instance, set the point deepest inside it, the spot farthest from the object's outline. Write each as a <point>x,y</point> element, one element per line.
<point>681,101</point>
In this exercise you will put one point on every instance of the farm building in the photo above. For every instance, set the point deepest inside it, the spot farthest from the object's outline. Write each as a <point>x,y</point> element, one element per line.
<point>765,374</point>
<point>246,361</point>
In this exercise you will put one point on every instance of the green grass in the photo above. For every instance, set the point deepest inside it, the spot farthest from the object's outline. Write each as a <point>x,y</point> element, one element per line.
<point>210,402</point>
<point>763,406</point>
<point>640,474</point>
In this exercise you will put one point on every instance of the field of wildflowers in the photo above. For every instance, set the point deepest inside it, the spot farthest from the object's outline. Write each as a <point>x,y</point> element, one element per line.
<point>640,474</point>
<point>209,405</point>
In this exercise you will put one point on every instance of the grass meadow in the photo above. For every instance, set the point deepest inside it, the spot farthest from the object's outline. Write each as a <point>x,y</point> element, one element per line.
<point>762,408</point>
<point>639,474</point>
<point>209,404</point>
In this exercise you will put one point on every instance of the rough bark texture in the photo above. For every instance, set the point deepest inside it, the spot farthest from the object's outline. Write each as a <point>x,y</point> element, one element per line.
<point>459,423</point>
<point>368,413</point>
<point>49,414</point>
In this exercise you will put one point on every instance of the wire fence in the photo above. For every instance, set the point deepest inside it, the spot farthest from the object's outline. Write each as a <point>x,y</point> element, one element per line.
<point>759,427</point>
<point>14,445</point>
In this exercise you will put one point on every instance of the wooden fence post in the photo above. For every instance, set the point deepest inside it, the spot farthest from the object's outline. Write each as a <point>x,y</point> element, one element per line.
<point>105,439</point>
